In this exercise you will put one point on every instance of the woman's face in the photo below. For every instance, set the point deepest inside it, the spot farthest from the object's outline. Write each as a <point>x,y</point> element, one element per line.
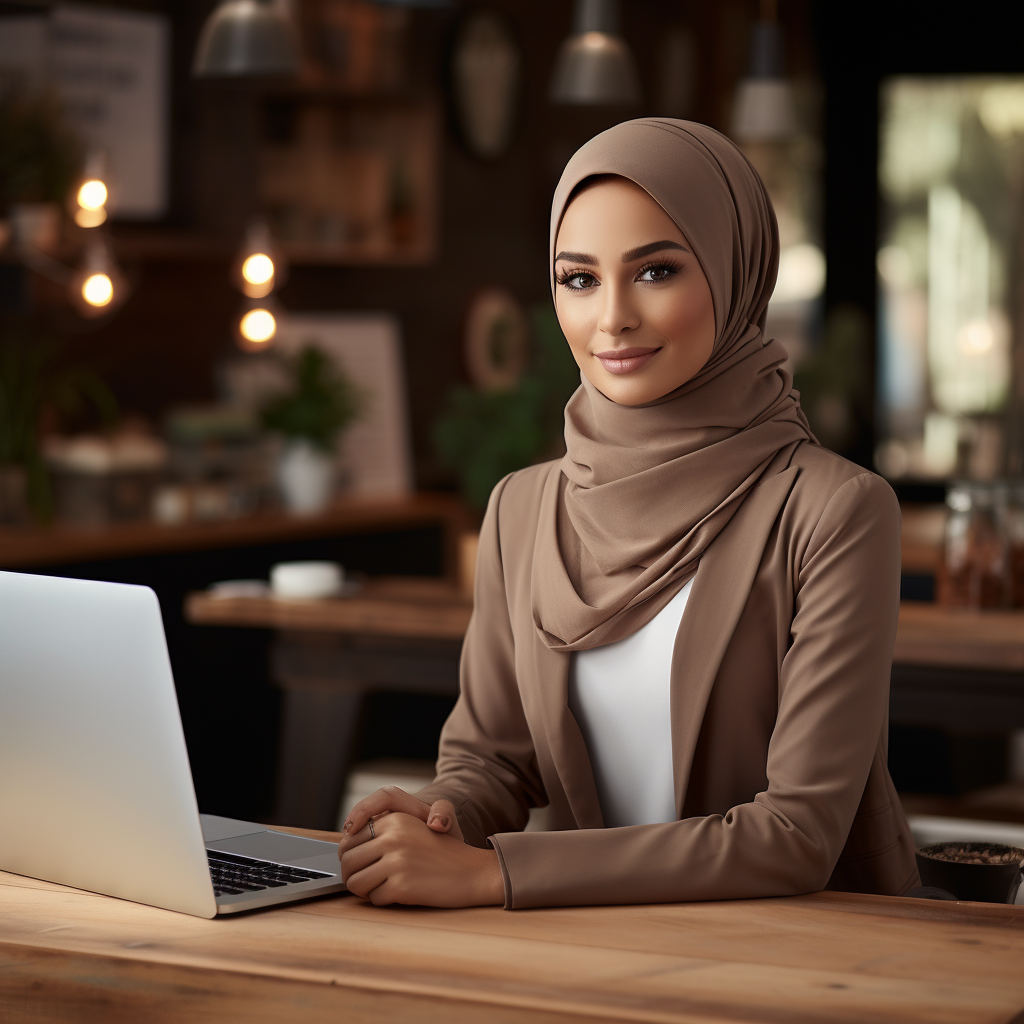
<point>630,295</point>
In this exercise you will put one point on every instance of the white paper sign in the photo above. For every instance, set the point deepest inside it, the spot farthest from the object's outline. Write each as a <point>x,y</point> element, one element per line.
<point>109,68</point>
<point>375,449</point>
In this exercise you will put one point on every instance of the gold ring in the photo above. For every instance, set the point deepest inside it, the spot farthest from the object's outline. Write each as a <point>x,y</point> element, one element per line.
<point>373,835</point>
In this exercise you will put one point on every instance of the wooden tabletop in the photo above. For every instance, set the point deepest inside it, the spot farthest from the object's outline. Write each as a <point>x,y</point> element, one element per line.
<point>927,634</point>
<point>22,548</point>
<point>71,955</point>
<point>931,635</point>
<point>386,606</point>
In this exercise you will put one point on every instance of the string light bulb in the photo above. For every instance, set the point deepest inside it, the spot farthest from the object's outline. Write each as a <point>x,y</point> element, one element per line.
<point>256,324</point>
<point>258,268</point>
<point>258,327</point>
<point>89,200</point>
<point>97,287</point>
<point>98,290</point>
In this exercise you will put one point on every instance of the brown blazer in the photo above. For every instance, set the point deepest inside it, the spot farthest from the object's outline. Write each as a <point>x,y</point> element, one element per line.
<point>780,689</point>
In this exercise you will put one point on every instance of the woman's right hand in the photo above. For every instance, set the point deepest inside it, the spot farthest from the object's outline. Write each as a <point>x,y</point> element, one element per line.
<point>439,816</point>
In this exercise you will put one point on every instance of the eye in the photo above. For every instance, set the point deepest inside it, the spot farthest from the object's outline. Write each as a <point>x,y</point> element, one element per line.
<point>577,280</point>
<point>654,273</point>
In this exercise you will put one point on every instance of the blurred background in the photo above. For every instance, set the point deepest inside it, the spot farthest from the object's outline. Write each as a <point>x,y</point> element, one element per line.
<point>273,288</point>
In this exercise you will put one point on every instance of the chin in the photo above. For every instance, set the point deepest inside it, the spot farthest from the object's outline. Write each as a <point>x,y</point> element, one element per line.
<point>629,392</point>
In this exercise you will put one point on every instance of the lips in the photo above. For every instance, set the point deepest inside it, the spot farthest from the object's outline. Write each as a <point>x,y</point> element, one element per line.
<point>626,360</point>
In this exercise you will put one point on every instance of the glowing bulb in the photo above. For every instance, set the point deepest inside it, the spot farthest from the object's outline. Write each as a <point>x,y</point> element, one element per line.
<point>90,218</point>
<point>258,326</point>
<point>976,338</point>
<point>92,195</point>
<point>258,268</point>
<point>97,289</point>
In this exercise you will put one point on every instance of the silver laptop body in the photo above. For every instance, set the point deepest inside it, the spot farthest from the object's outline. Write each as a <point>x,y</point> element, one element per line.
<point>95,787</point>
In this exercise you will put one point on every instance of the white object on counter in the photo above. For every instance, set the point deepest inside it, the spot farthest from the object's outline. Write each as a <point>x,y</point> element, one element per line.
<point>306,579</point>
<point>226,589</point>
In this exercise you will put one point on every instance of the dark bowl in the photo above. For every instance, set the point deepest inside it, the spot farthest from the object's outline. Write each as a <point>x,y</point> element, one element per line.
<point>986,883</point>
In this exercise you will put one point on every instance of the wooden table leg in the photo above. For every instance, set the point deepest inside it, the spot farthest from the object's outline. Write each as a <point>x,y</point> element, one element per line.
<point>324,677</point>
<point>320,726</point>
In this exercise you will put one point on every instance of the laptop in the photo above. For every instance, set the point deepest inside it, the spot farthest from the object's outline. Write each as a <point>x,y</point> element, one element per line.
<point>95,786</point>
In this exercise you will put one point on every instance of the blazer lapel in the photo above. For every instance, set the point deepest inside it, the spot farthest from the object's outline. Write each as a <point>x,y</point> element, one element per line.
<point>566,745</point>
<point>720,589</point>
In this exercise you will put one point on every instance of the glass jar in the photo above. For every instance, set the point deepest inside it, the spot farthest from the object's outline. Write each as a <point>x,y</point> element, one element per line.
<point>975,570</point>
<point>1015,540</point>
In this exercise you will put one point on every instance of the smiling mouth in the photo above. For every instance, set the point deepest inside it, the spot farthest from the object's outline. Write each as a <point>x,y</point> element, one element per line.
<point>626,360</point>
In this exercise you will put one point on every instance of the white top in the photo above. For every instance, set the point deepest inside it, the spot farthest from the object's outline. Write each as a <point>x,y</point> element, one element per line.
<point>620,695</point>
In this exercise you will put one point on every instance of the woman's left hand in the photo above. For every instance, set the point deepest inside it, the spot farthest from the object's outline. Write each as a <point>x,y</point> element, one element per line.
<point>408,862</point>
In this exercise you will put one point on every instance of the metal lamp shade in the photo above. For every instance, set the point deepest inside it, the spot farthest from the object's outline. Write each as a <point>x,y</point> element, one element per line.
<point>765,111</point>
<point>244,38</point>
<point>595,68</point>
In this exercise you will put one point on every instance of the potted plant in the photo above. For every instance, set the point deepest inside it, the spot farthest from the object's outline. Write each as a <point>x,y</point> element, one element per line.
<point>486,433</point>
<point>39,159</point>
<point>32,381</point>
<point>320,403</point>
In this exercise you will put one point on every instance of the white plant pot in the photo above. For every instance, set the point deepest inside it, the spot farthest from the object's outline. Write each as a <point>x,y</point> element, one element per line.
<point>305,474</point>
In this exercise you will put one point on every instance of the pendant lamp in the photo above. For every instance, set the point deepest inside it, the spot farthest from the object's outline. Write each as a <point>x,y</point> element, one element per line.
<point>594,65</point>
<point>246,38</point>
<point>765,110</point>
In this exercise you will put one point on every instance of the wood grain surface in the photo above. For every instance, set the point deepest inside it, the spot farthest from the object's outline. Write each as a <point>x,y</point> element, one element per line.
<point>384,607</point>
<point>927,634</point>
<point>931,635</point>
<point>29,546</point>
<point>67,955</point>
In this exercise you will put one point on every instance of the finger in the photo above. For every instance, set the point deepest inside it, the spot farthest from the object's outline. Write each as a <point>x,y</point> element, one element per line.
<point>358,858</point>
<point>384,895</point>
<point>390,798</point>
<point>441,816</point>
<point>363,882</point>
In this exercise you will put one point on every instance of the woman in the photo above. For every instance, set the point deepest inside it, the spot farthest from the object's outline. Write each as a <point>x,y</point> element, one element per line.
<point>683,630</point>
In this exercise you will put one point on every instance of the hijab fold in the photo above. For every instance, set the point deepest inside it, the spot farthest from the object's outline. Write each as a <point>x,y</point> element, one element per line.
<point>643,490</point>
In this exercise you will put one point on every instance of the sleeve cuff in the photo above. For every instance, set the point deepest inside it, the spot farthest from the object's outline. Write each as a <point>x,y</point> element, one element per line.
<point>492,841</point>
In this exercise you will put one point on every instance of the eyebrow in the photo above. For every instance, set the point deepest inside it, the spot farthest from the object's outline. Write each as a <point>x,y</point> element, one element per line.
<point>627,257</point>
<point>645,250</point>
<point>577,257</point>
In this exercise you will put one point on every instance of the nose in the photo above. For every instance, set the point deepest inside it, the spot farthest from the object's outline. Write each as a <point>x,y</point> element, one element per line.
<point>619,312</point>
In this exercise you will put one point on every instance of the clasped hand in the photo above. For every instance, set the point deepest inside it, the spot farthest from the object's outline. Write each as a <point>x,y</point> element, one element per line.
<point>415,854</point>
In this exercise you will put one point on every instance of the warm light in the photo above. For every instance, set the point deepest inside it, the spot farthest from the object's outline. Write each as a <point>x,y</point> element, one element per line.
<point>90,218</point>
<point>97,289</point>
<point>258,269</point>
<point>976,338</point>
<point>258,326</point>
<point>92,195</point>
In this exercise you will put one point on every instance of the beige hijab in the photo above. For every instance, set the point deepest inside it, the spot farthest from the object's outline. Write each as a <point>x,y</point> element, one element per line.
<point>644,490</point>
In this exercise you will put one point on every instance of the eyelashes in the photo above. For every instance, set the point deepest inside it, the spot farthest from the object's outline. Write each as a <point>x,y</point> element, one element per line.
<point>580,280</point>
<point>566,278</point>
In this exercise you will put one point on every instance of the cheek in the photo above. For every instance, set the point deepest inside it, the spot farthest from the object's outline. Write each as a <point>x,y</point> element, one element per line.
<point>687,318</point>
<point>576,321</point>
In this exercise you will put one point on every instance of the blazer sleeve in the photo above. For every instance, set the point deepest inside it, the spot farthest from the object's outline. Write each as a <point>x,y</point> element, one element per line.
<point>487,765</point>
<point>833,704</point>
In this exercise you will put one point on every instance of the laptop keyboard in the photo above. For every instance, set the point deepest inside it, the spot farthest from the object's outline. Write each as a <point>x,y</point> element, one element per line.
<point>232,874</point>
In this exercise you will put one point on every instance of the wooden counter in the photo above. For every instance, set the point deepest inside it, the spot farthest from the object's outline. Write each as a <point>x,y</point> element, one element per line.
<point>955,638</point>
<point>31,546</point>
<point>926,635</point>
<point>386,606</point>
<point>67,955</point>
<point>22,548</point>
